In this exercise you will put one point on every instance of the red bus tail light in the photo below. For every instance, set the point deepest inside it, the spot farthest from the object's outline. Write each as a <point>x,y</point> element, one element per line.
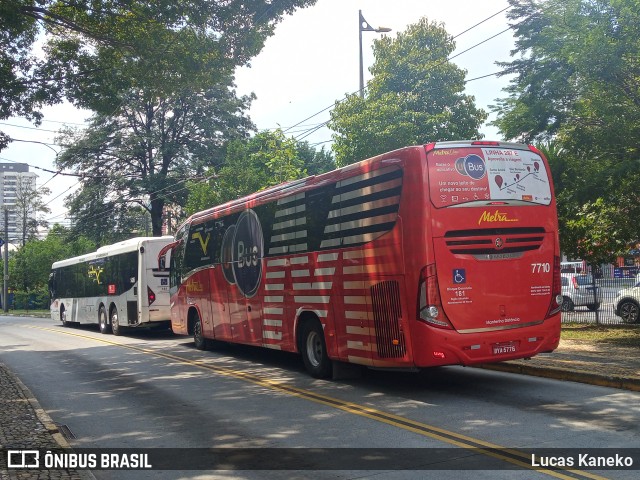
<point>429,303</point>
<point>151,296</point>
<point>556,289</point>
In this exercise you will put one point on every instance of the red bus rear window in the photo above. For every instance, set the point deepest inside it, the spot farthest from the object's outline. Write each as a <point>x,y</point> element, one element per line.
<point>483,173</point>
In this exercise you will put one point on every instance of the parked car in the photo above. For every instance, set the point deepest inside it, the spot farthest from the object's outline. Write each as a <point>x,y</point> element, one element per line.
<point>628,304</point>
<point>577,291</point>
<point>571,267</point>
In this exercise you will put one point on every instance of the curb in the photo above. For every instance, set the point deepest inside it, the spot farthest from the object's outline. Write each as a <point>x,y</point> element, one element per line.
<point>48,423</point>
<point>611,381</point>
<point>44,418</point>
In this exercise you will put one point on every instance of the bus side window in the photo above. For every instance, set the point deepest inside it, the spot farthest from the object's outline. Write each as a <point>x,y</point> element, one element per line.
<point>52,285</point>
<point>175,268</point>
<point>176,261</point>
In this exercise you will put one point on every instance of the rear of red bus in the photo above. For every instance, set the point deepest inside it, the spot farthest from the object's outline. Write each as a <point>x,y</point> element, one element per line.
<point>490,288</point>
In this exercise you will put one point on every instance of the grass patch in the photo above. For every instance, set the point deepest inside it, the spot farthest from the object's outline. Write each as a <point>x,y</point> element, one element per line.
<point>619,335</point>
<point>35,313</point>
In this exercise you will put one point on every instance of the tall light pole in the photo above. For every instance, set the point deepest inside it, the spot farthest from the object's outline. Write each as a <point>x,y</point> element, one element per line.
<point>5,287</point>
<point>363,26</point>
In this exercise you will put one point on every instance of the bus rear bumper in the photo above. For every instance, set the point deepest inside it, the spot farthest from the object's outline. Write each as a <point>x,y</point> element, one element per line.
<point>445,347</point>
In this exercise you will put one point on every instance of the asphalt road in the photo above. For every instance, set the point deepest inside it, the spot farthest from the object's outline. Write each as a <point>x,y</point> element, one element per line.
<point>154,390</point>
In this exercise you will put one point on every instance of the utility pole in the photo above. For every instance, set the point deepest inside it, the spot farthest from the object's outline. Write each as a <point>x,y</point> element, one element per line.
<point>5,290</point>
<point>364,26</point>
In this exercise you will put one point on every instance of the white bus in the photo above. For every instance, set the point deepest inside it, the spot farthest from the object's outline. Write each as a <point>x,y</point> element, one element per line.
<point>117,286</point>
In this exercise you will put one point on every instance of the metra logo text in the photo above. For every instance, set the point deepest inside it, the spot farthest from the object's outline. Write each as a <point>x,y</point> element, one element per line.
<point>497,216</point>
<point>445,152</point>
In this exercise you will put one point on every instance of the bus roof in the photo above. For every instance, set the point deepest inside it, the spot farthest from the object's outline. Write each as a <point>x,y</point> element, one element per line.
<point>293,185</point>
<point>316,180</point>
<point>481,143</point>
<point>125,246</point>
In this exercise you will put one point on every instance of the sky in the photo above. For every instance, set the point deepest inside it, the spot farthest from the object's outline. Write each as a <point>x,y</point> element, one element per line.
<point>311,62</point>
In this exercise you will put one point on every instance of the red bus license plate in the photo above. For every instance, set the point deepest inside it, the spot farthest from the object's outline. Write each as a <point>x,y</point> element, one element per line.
<point>502,348</point>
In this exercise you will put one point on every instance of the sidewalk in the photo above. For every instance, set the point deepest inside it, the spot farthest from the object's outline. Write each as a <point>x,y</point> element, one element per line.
<point>578,361</point>
<point>25,425</point>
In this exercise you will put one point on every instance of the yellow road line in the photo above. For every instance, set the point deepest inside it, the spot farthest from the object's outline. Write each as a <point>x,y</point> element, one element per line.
<point>512,456</point>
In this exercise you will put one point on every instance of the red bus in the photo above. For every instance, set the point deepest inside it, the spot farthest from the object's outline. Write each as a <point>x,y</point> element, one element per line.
<point>438,254</point>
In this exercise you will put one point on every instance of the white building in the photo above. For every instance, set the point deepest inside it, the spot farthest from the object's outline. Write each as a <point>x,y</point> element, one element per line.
<point>14,177</point>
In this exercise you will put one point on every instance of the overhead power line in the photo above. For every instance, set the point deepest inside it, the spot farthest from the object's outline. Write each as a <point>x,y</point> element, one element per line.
<point>306,133</point>
<point>309,131</point>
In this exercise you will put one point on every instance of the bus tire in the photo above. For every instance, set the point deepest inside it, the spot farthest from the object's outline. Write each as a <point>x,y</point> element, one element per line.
<point>116,329</point>
<point>105,326</point>
<point>198,337</point>
<point>314,350</point>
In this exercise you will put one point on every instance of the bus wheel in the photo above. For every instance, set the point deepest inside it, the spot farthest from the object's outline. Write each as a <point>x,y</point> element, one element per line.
<point>198,337</point>
<point>102,320</point>
<point>314,351</point>
<point>115,324</point>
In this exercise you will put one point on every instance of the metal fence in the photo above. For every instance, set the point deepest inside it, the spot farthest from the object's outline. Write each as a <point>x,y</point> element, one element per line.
<point>605,315</point>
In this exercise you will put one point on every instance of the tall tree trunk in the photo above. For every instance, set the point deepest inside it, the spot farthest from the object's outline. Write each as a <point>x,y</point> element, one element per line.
<point>157,206</point>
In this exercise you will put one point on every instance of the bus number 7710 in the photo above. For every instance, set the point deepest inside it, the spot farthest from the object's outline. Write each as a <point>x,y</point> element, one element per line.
<point>540,267</point>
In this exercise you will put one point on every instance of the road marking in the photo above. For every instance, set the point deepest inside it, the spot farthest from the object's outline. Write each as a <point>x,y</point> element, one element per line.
<point>509,455</point>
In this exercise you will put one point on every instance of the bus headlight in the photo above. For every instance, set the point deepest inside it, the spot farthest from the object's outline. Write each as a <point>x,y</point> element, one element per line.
<point>559,299</point>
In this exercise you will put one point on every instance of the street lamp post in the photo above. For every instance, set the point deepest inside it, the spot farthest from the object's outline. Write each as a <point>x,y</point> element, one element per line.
<point>5,287</point>
<point>364,26</point>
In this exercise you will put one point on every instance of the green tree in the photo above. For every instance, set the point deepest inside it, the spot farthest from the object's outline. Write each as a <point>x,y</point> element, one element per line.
<point>30,265</point>
<point>103,218</point>
<point>577,87</point>
<point>139,156</point>
<point>577,75</point>
<point>18,96</point>
<point>250,165</point>
<point>28,209</point>
<point>315,161</point>
<point>415,96</point>
<point>96,50</point>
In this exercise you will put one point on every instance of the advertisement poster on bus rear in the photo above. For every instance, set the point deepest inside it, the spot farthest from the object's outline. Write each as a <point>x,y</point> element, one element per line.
<point>461,175</point>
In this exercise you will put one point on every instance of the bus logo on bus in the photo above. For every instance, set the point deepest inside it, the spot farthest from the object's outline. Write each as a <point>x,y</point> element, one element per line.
<point>94,273</point>
<point>203,243</point>
<point>471,166</point>
<point>247,253</point>
<point>496,216</point>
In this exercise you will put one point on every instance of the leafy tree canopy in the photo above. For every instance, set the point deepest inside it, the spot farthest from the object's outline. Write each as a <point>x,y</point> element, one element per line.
<point>250,165</point>
<point>577,89</point>
<point>97,49</point>
<point>415,96</point>
<point>30,265</point>
<point>577,78</point>
<point>141,155</point>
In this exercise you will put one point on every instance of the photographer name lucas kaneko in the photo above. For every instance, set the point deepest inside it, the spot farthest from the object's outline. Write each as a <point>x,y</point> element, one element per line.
<point>584,460</point>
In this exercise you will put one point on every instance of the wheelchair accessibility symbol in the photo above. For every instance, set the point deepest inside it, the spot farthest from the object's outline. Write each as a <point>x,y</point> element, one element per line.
<point>459,276</point>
